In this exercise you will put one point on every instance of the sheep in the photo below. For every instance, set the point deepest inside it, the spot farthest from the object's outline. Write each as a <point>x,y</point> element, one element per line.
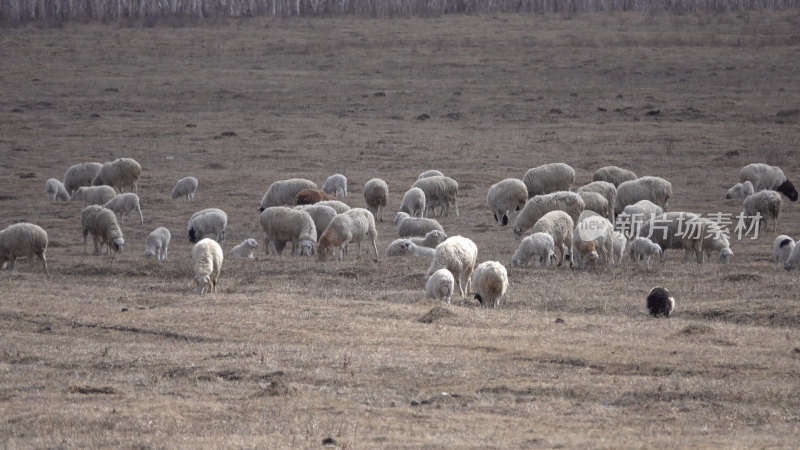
<point>655,189</point>
<point>157,243</point>
<point>714,239</point>
<point>505,196</point>
<point>490,282</point>
<point>23,240</point>
<point>336,185</point>
<point>94,195</point>
<point>207,262</point>
<point>586,255</point>
<point>413,202</point>
<point>80,175</point>
<point>607,190</point>
<point>376,196</point>
<point>781,250</point>
<point>668,230</point>
<point>439,191</point>
<point>340,207</point>
<point>793,260</point>
<point>55,190</point>
<point>430,173</point>
<point>283,192</point>
<point>536,247</point>
<point>620,241</point>
<point>458,255</point>
<point>766,204</point>
<point>614,175</point>
<point>126,203</point>
<point>633,216</point>
<point>245,249</point>
<point>402,247</point>
<point>351,226</point>
<point>185,186</point>
<point>549,178</point>
<point>120,173</point>
<point>282,224</point>
<point>764,176</point>
<point>539,205</point>
<point>321,215</point>
<point>431,239</point>
<point>642,249</point>
<point>440,285</point>
<point>102,223</point>
<point>594,201</point>
<point>210,222</point>
<point>740,191</point>
<point>600,231</point>
<point>413,226</point>
<point>660,302</point>
<point>311,196</point>
<point>559,225</point>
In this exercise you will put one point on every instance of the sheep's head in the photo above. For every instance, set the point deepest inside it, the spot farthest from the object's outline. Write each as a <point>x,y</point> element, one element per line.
<point>518,232</point>
<point>306,248</point>
<point>323,250</point>
<point>149,253</point>
<point>399,216</point>
<point>516,260</point>
<point>117,244</point>
<point>725,255</point>
<point>655,249</point>
<point>201,282</point>
<point>551,257</point>
<point>251,243</point>
<point>787,188</point>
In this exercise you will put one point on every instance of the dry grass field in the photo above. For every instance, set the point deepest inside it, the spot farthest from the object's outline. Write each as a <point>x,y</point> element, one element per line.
<point>292,352</point>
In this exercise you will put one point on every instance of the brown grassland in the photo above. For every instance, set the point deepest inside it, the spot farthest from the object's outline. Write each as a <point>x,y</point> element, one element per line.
<point>292,351</point>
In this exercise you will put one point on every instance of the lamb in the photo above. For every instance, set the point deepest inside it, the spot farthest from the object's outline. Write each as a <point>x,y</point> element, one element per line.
<point>620,241</point>
<point>764,176</point>
<point>740,191</point>
<point>668,229</point>
<point>594,201</point>
<point>55,190</point>
<point>157,244</point>
<point>458,255</point>
<point>642,249</point>
<point>207,263</point>
<point>185,186</point>
<point>80,175</point>
<point>23,240</point>
<point>336,185</point>
<point>245,249</point>
<point>781,249</point>
<point>102,224</point>
<point>793,260</point>
<point>321,215</point>
<point>538,206</point>
<point>607,190</point>
<point>311,196</point>
<point>440,285</point>
<point>402,247</point>
<point>508,195</point>
<point>414,226</point>
<point>586,255</point>
<point>283,192</point>
<point>94,195</point>
<point>536,247</point>
<point>430,173</point>
<point>351,226</point>
<point>126,203</point>
<point>490,282</point>
<point>713,237</point>
<point>439,191</point>
<point>340,207</point>
<point>413,202</point>
<point>559,225</point>
<point>282,224</point>
<point>767,204</point>
<point>210,222</point>
<point>633,216</point>
<point>600,231</point>
<point>549,178</point>
<point>120,173</point>
<point>660,302</point>
<point>655,189</point>
<point>614,175</point>
<point>376,196</point>
<point>431,239</point>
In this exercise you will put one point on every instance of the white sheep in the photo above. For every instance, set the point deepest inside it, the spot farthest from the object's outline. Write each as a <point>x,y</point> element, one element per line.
<point>767,204</point>
<point>740,191</point>
<point>505,196</point>
<point>633,216</point>
<point>620,241</point>
<point>539,205</point>
<point>642,249</point>
<point>94,195</point>
<point>336,184</point>
<point>186,186</point>
<point>430,173</point>
<point>714,239</point>
<point>439,191</point>
<point>536,247</point>
<point>413,202</point>
<point>440,285</point>
<point>322,215</point>
<point>764,176</point>
<point>614,175</point>
<point>351,226</point>
<point>599,231</point>
<point>207,262</point>
<point>793,260</point>
<point>80,175</point>
<point>157,244</point>
<point>283,192</point>
<point>209,222</point>
<point>595,201</point>
<point>415,226</point>
<point>549,178</point>
<point>282,224</point>
<point>102,224</point>
<point>376,196</point>
<point>55,190</point>
<point>245,249</point>
<point>431,239</point>
<point>403,247</point>
<point>607,190</point>
<point>655,189</point>
<point>490,282</point>
<point>126,203</point>
<point>22,240</point>
<point>120,173</point>
<point>781,249</point>
<point>560,226</point>
<point>668,231</point>
<point>458,255</point>
<point>340,207</point>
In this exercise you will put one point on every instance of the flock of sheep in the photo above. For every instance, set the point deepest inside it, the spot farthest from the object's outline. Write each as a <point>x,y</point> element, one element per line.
<point>589,227</point>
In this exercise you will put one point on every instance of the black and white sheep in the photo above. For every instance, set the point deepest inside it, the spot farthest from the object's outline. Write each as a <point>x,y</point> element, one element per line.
<point>560,226</point>
<point>55,190</point>
<point>282,224</point>
<point>659,302</point>
<point>22,240</point>
<point>539,205</point>
<point>403,247</point>
<point>322,215</point>
<point>538,247</point>
<point>80,175</point>
<point>767,204</point>
<point>599,231</point>
<point>351,226</point>
<point>642,249</point>
<point>740,191</point>
<point>439,191</point>
<point>607,190</point>
<point>408,226</point>
<point>245,249</point>
<point>490,282</point>
<point>126,204</point>
<point>549,178</point>
<point>440,285</point>
<point>781,249</point>
<point>614,175</point>
<point>430,173</point>
<point>376,197</point>
<point>120,173</point>
<point>340,207</point>
<point>157,244</point>
<point>209,222</point>
<point>336,185</point>
<point>186,186</point>
<point>505,196</point>
<point>655,189</point>
<point>102,224</point>
<point>94,195</point>
<point>413,202</point>
<point>207,263</point>
<point>764,176</point>
<point>458,255</point>
<point>283,192</point>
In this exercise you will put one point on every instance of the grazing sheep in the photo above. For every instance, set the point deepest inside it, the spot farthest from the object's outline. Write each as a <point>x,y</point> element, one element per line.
<point>549,178</point>
<point>740,191</point>
<point>414,226</point>
<point>793,260</point>
<point>283,192</point>
<point>595,201</point>
<point>157,244</point>
<point>508,195</point>
<point>440,285</point>
<point>413,202</point>
<point>22,240</point>
<point>207,263</point>
<point>351,226</point>
<point>560,226</point>
<point>431,239</point>
<point>490,281</point>
<point>210,222</point>
<point>660,302</point>
<point>120,173</point>
<point>94,195</point>
<point>336,184</point>
<point>458,255</point>
<point>620,241</point>
<point>376,196</point>
<point>321,215</point>
<point>340,207</point>
<point>585,255</point>
<point>655,189</point>
<point>781,249</point>
<point>600,231</point>
<point>311,196</point>
<point>607,190</point>
<point>245,249</point>
<point>185,186</point>
<point>764,176</point>
<point>402,247</point>
<point>767,204</point>
<point>642,249</point>
<point>430,173</point>
<point>614,175</point>
<point>536,247</point>
<point>80,175</point>
<point>538,206</point>
<point>102,224</point>
<point>126,203</point>
<point>714,239</point>
<point>55,190</point>
<point>633,216</point>
<point>282,224</point>
<point>439,191</point>
<point>668,230</point>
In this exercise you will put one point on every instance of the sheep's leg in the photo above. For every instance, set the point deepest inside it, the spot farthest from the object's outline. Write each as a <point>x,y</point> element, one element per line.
<point>455,205</point>
<point>141,218</point>
<point>84,241</point>
<point>375,245</point>
<point>12,263</point>
<point>44,262</point>
<point>96,246</point>
<point>358,255</point>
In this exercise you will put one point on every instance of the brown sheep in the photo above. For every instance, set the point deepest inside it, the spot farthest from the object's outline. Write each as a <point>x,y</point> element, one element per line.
<point>311,196</point>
